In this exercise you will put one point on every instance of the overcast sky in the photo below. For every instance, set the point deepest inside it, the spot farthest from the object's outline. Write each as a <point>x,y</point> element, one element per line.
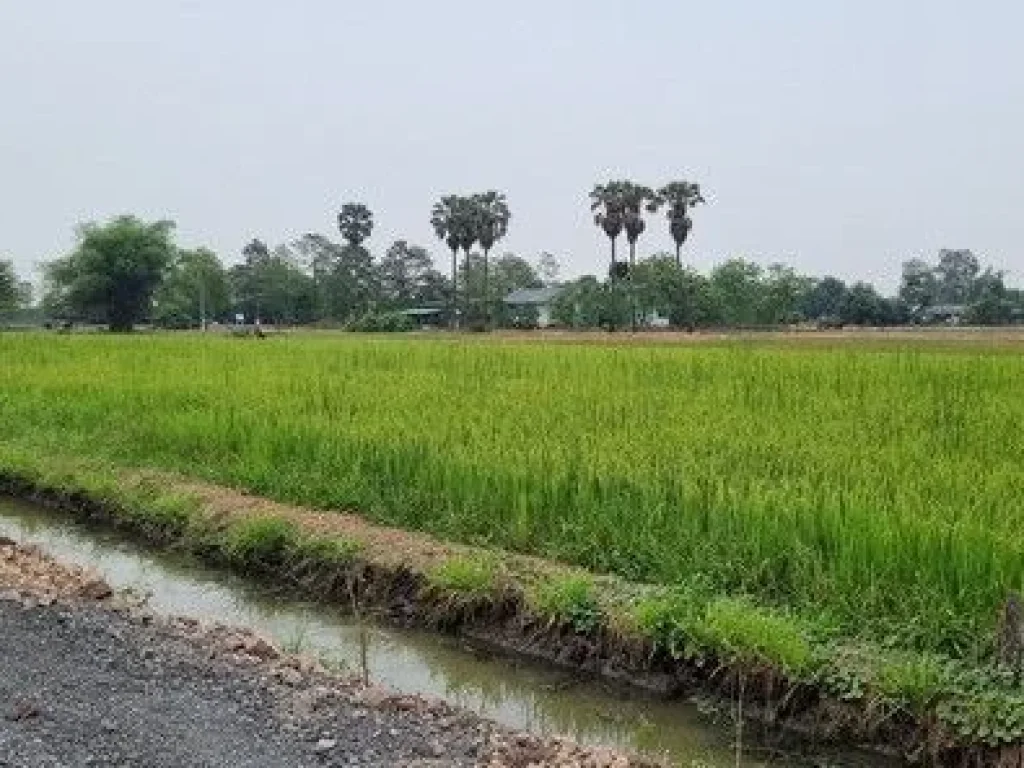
<point>841,137</point>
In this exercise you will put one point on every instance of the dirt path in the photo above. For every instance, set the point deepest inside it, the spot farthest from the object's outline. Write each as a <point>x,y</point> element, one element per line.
<point>88,680</point>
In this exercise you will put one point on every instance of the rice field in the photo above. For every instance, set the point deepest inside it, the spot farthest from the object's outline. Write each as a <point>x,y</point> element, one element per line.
<point>877,488</point>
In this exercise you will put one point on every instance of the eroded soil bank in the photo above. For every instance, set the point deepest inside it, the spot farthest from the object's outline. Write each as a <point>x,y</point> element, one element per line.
<point>90,679</point>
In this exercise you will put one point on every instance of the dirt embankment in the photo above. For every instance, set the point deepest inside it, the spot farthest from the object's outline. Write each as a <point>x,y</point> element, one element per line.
<point>92,679</point>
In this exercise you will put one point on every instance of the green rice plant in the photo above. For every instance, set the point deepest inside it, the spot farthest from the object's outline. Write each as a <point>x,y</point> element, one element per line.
<point>879,483</point>
<point>748,634</point>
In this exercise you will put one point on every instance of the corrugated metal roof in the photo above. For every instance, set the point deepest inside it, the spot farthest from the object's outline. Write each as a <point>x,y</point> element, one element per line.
<point>534,296</point>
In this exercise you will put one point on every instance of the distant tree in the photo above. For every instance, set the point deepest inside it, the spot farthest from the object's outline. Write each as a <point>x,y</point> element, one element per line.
<point>548,268</point>
<point>8,288</point>
<point>782,295</point>
<point>402,274</point>
<point>355,222</point>
<point>272,285</point>
<point>194,291</point>
<point>453,222</point>
<point>580,304</point>
<point>491,217</point>
<point>681,295</point>
<point>113,272</point>
<point>507,273</point>
<point>679,197</point>
<point>864,306</point>
<point>608,203</point>
<point>343,276</point>
<point>919,288</point>
<point>955,274</point>
<point>824,299</point>
<point>636,199</point>
<point>992,303</point>
<point>736,290</point>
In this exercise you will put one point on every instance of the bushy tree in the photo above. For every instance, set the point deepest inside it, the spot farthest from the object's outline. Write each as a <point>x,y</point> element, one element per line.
<point>272,286</point>
<point>8,288</point>
<point>194,291</point>
<point>111,275</point>
<point>406,276</point>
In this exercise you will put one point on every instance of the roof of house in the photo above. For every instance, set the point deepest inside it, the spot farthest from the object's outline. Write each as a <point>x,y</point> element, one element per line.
<point>945,309</point>
<point>421,311</point>
<point>534,296</point>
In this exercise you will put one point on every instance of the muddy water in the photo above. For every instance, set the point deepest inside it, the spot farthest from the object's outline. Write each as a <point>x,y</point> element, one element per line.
<point>525,696</point>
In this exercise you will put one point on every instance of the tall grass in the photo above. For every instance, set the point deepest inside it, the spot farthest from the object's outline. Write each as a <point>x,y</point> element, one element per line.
<point>879,488</point>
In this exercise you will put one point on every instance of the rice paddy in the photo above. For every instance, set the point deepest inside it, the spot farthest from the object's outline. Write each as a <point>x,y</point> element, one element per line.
<point>876,489</point>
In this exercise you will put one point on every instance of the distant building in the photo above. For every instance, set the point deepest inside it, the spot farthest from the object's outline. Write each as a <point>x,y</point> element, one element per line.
<point>534,306</point>
<point>424,317</point>
<point>950,314</point>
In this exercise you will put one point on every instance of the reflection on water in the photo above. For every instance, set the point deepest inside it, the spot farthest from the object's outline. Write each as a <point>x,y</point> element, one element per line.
<point>522,695</point>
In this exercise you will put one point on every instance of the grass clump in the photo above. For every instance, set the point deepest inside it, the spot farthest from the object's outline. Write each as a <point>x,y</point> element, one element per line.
<point>467,576</point>
<point>261,541</point>
<point>570,599</point>
<point>748,634</point>
<point>328,550</point>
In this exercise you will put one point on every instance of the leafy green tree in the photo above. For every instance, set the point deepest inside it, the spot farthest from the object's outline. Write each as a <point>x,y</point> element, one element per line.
<point>272,286</point>
<point>782,294</point>
<point>824,299</point>
<point>580,304</point>
<point>919,287</point>
<point>406,275</point>
<point>992,304</point>
<point>8,288</point>
<point>343,276</point>
<point>681,295</point>
<point>679,197</point>
<point>864,306</point>
<point>194,291</point>
<point>955,274</point>
<point>355,222</point>
<point>113,272</point>
<point>491,216</point>
<point>735,286</point>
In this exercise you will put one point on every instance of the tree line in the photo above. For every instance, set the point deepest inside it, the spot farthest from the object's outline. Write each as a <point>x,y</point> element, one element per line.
<point>127,271</point>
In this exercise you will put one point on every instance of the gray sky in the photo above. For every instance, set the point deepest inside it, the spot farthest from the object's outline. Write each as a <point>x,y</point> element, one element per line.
<point>841,137</point>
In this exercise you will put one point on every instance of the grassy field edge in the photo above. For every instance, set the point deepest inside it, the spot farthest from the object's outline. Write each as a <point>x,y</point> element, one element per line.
<point>673,640</point>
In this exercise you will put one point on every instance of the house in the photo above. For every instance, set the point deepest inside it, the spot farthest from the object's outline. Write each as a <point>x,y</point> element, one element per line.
<point>424,317</point>
<point>533,306</point>
<point>949,314</point>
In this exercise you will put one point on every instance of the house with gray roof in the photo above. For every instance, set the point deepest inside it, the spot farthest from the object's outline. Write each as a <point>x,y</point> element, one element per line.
<point>535,303</point>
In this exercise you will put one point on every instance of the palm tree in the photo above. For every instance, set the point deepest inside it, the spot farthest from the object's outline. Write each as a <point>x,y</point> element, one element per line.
<point>635,198</point>
<point>609,213</point>
<point>355,222</point>
<point>680,197</point>
<point>491,215</point>
<point>448,218</point>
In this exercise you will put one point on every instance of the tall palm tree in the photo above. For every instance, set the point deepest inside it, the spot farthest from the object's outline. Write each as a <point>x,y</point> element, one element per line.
<point>635,198</point>
<point>492,217</point>
<point>606,201</point>
<point>355,222</point>
<point>679,197</point>
<point>449,220</point>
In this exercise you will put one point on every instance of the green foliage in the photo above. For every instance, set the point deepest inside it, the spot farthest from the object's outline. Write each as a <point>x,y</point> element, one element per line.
<point>382,322</point>
<point>196,288</point>
<point>355,222</point>
<point>746,633</point>
<point>467,576</point>
<point>113,272</point>
<point>8,288</point>
<point>328,550</point>
<point>571,599</point>
<point>914,680</point>
<point>261,540</point>
<point>271,286</point>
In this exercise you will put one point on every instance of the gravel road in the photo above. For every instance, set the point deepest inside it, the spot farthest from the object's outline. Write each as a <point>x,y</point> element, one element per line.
<point>85,681</point>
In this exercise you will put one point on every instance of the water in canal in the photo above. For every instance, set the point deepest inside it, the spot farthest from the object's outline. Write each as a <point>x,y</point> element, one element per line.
<point>522,695</point>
